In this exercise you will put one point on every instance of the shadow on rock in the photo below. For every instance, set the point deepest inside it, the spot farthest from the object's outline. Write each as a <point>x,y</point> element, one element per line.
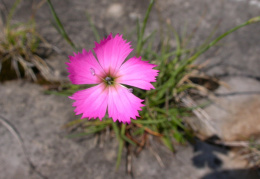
<point>205,154</point>
<point>234,174</point>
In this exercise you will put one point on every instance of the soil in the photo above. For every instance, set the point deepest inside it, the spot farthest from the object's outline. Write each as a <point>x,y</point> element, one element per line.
<point>39,117</point>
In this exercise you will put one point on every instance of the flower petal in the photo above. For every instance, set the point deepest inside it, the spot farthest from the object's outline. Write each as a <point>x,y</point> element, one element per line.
<point>122,104</point>
<point>138,73</point>
<point>91,102</point>
<point>84,68</point>
<point>111,53</point>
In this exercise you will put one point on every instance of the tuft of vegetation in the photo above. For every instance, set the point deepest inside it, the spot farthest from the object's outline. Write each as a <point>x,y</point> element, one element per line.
<point>22,50</point>
<point>168,104</point>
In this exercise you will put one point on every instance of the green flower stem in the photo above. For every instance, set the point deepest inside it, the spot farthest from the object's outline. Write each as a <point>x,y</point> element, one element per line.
<point>121,144</point>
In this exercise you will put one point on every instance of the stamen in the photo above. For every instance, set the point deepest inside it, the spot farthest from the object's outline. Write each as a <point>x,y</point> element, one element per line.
<point>92,71</point>
<point>109,80</point>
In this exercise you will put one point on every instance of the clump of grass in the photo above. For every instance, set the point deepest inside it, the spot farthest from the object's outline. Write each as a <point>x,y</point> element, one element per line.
<point>21,50</point>
<point>253,155</point>
<point>165,108</point>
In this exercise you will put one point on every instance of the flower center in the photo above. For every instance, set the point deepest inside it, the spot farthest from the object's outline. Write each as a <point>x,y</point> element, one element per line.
<point>109,80</point>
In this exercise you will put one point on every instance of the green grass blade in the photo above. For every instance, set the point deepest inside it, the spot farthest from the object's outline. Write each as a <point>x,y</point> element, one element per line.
<point>11,13</point>
<point>116,129</point>
<point>93,27</point>
<point>91,130</point>
<point>149,37</point>
<point>128,140</point>
<point>123,136</point>
<point>97,122</point>
<point>179,49</point>
<point>119,154</point>
<point>167,142</point>
<point>141,34</point>
<point>139,39</point>
<point>139,131</point>
<point>60,26</point>
<point>196,55</point>
<point>120,146</point>
<point>74,122</point>
<point>148,122</point>
<point>146,17</point>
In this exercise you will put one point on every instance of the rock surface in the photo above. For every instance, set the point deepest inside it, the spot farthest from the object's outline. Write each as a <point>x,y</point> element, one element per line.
<point>236,110</point>
<point>39,117</point>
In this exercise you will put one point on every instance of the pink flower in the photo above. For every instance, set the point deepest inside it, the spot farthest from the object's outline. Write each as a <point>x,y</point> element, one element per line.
<point>109,71</point>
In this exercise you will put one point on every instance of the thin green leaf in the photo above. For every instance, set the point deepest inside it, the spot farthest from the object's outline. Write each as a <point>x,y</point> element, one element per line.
<point>128,140</point>
<point>139,131</point>
<point>97,122</point>
<point>11,13</point>
<point>196,55</point>
<point>148,122</point>
<point>74,122</point>
<point>140,41</point>
<point>120,146</point>
<point>149,37</point>
<point>60,26</point>
<point>116,129</point>
<point>90,130</point>
<point>167,142</point>
<point>93,27</point>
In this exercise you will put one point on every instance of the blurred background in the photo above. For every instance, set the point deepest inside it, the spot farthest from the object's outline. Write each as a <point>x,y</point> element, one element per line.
<point>225,142</point>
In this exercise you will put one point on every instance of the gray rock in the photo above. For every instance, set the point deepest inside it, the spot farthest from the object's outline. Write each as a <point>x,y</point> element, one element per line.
<point>115,10</point>
<point>235,112</point>
<point>39,117</point>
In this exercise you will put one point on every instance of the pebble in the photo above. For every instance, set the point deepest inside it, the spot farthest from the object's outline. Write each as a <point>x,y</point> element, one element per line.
<point>115,10</point>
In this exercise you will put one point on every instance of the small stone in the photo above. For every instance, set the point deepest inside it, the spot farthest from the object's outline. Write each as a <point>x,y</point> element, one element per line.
<point>115,10</point>
<point>134,16</point>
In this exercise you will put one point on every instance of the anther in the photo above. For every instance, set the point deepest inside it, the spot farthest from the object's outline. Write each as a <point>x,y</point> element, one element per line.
<point>108,80</point>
